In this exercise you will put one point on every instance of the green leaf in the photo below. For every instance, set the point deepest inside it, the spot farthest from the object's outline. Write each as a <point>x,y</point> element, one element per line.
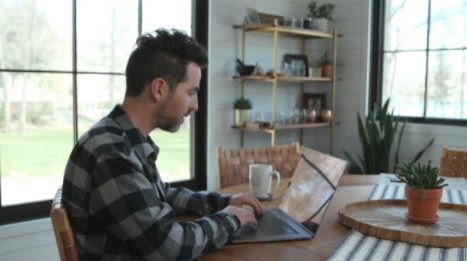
<point>378,137</point>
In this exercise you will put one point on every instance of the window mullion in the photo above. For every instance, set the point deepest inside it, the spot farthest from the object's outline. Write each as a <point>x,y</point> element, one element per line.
<point>427,60</point>
<point>74,74</point>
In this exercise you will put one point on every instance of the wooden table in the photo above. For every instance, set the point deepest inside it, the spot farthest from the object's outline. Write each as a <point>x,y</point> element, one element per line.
<point>351,188</point>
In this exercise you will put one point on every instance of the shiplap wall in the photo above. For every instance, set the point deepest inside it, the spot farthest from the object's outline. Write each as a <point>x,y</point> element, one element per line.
<point>34,240</point>
<point>25,241</point>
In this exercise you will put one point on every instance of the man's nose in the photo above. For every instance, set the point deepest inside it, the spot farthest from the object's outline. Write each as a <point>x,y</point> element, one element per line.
<point>194,104</point>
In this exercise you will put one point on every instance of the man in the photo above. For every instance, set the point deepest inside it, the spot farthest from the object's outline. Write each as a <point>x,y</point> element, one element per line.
<point>118,206</point>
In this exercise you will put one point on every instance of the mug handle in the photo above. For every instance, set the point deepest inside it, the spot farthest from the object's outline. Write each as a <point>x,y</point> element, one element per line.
<point>278,180</point>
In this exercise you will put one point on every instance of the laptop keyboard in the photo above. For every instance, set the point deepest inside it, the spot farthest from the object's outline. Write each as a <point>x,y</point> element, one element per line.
<point>273,225</point>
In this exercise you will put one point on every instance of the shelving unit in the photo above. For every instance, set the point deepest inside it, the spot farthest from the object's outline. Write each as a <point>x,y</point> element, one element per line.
<point>275,79</point>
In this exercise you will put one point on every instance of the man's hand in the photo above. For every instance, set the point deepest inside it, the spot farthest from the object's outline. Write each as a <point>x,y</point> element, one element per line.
<point>239,200</point>
<point>244,215</point>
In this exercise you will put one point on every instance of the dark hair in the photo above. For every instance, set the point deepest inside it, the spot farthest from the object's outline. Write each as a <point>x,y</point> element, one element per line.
<point>165,54</point>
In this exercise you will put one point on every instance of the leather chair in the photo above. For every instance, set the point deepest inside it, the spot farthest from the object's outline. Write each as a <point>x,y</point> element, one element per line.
<point>453,163</point>
<point>233,163</point>
<point>63,232</point>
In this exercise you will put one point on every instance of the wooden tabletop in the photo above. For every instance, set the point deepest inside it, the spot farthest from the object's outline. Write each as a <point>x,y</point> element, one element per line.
<point>351,188</point>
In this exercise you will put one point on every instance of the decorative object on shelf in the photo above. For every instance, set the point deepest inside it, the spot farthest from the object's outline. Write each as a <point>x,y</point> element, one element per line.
<point>244,69</point>
<point>259,70</point>
<point>311,115</point>
<point>314,101</point>
<point>242,107</point>
<point>298,23</point>
<point>307,22</point>
<point>326,115</point>
<point>289,21</point>
<point>269,19</point>
<point>294,22</point>
<point>314,72</point>
<point>320,15</point>
<point>297,65</point>
<point>377,136</point>
<point>326,65</point>
<point>423,191</point>
<point>251,17</point>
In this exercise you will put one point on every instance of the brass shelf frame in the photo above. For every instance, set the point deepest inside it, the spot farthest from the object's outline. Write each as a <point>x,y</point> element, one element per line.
<point>275,29</point>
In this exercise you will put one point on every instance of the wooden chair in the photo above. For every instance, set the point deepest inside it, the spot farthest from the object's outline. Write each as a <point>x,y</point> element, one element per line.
<point>63,232</point>
<point>233,163</point>
<point>453,163</point>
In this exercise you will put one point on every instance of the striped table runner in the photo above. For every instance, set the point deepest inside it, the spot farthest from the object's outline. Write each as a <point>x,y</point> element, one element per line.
<point>357,246</point>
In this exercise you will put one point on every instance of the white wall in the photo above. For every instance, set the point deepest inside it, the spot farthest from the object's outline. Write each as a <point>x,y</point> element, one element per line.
<point>26,241</point>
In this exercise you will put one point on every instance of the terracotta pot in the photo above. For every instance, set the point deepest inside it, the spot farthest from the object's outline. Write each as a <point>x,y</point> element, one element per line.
<point>423,210</point>
<point>326,71</point>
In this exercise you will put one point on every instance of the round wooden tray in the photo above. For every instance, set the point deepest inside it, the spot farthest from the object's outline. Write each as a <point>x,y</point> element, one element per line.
<point>387,219</point>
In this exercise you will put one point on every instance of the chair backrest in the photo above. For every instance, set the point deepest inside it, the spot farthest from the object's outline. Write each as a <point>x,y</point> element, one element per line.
<point>63,232</point>
<point>453,163</point>
<point>233,163</point>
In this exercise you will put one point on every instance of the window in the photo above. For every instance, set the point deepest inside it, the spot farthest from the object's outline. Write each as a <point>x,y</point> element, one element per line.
<point>62,68</point>
<point>419,58</point>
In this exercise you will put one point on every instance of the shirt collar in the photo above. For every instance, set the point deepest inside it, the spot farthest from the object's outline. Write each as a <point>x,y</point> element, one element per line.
<point>143,144</point>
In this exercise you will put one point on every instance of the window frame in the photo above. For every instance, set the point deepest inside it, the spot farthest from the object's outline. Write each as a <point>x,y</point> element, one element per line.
<point>376,68</point>
<point>41,209</point>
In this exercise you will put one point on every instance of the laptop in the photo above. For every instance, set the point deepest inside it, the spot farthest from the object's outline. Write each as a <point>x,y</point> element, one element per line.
<point>274,225</point>
<point>312,187</point>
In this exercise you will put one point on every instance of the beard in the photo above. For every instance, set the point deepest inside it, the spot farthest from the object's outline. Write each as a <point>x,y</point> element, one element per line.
<point>169,122</point>
<point>173,127</point>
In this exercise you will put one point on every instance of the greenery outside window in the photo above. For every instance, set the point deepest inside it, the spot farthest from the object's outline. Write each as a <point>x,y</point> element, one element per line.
<point>62,67</point>
<point>419,59</point>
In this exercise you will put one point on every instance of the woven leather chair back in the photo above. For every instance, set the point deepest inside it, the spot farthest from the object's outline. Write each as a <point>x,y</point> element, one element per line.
<point>233,163</point>
<point>63,232</point>
<point>453,163</point>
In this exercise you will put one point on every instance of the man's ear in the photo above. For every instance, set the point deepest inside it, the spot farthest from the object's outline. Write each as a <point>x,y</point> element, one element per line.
<point>158,88</point>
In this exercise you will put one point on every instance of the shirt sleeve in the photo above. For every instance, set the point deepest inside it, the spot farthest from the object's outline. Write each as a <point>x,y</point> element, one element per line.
<point>129,205</point>
<point>185,201</point>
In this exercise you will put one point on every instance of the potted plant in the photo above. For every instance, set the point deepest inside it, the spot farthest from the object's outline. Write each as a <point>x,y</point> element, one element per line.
<point>242,107</point>
<point>326,65</point>
<point>423,190</point>
<point>380,134</point>
<point>320,15</point>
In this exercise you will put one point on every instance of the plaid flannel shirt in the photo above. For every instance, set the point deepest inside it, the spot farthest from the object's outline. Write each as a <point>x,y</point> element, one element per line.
<point>120,209</point>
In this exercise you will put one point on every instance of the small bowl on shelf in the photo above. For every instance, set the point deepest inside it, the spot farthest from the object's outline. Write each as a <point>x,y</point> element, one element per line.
<point>245,70</point>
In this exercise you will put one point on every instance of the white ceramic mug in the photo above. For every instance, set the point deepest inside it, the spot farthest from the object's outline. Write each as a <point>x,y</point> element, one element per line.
<point>261,180</point>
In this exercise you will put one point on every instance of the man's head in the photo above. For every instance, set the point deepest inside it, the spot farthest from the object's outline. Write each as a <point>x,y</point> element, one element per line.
<point>164,71</point>
<point>165,54</point>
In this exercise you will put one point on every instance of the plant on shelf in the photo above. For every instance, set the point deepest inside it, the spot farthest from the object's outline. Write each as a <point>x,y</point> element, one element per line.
<point>377,135</point>
<point>423,190</point>
<point>320,15</point>
<point>326,65</point>
<point>242,107</point>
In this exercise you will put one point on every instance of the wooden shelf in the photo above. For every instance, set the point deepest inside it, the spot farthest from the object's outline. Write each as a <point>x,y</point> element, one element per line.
<point>285,127</point>
<point>296,32</point>
<point>303,126</point>
<point>303,79</point>
<point>283,79</point>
